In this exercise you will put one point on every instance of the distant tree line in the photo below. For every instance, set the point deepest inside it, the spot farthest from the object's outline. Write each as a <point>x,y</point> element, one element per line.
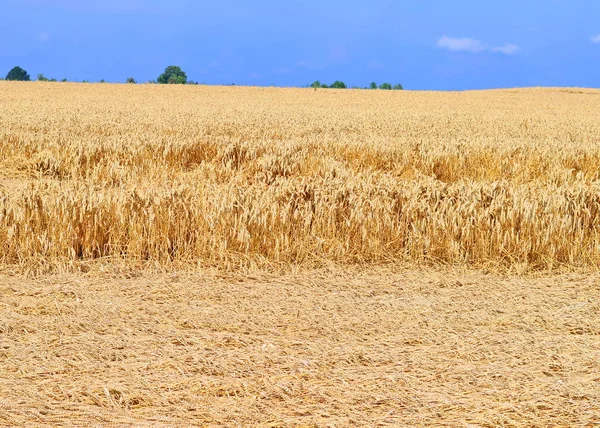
<point>341,85</point>
<point>174,75</point>
<point>42,78</point>
<point>335,85</point>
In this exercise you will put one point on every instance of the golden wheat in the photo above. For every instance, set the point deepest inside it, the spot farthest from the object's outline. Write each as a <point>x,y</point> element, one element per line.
<point>233,177</point>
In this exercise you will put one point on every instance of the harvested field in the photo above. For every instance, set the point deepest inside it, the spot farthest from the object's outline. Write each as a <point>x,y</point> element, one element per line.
<point>329,348</point>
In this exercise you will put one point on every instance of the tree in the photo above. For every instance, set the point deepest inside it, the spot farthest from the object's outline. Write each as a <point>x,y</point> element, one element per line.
<point>130,80</point>
<point>373,85</point>
<point>17,73</point>
<point>173,75</point>
<point>42,78</point>
<point>316,84</point>
<point>398,87</point>
<point>338,85</point>
<point>387,86</point>
<point>102,81</point>
<point>324,86</point>
<point>64,80</point>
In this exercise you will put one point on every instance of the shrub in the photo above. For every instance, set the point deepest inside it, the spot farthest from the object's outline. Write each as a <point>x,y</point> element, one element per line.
<point>338,85</point>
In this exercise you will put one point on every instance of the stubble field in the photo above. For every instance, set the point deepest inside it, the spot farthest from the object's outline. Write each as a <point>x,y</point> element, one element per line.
<point>224,255</point>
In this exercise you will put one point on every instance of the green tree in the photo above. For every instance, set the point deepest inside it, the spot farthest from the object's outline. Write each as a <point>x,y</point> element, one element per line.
<point>53,80</point>
<point>324,85</point>
<point>338,85</point>
<point>17,73</point>
<point>316,84</point>
<point>373,85</point>
<point>398,87</point>
<point>64,80</point>
<point>387,86</point>
<point>102,81</point>
<point>173,75</point>
<point>130,80</point>
<point>42,78</point>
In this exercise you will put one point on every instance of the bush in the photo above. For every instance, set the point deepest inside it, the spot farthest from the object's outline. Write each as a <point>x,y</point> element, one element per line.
<point>386,86</point>
<point>130,80</point>
<point>338,85</point>
<point>42,78</point>
<point>398,87</point>
<point>335,85</point>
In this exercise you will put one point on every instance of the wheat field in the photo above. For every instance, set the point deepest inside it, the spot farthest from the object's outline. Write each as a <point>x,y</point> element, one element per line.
<point>235,256</point>
<point>261,177</point>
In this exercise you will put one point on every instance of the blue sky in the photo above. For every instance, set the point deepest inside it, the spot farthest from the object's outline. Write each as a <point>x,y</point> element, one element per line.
<point>435,44</point>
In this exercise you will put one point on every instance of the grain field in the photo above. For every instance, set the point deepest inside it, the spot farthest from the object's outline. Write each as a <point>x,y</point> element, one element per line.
<point>259,177</point>
<point>233,256</point>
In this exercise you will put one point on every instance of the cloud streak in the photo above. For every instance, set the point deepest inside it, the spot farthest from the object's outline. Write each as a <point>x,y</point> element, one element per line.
<point>460,44</point>
<point>507,49</point>
<point>467,44</point>
<point>595,39</point>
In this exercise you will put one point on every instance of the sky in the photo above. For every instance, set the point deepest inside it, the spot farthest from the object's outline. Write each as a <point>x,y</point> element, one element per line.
<point>422,44</point>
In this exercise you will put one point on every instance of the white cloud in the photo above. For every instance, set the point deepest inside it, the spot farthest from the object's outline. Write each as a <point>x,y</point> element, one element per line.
<point>460,44</point>
<point>595,39</point>
<point>43,37</point>
<point>466,44</point>
<point>507,49</point>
